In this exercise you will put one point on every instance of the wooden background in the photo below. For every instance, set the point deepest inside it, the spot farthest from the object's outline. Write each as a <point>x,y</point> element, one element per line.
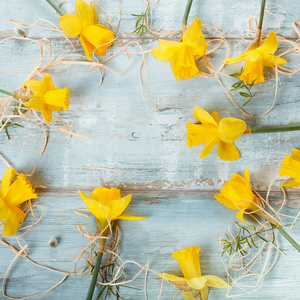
<point>169,183</point>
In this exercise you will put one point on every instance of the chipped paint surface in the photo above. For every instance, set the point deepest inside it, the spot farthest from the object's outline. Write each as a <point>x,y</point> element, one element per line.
<point>169,183</point>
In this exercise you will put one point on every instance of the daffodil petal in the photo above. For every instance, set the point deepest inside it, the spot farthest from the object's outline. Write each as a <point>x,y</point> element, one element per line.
<point>216,116</point>
<point>254,56</point>
<point>20,191</point>
<point>118,206</point>
<point>35,102</point>
<point>48,83</point>
<point>239,192</point>
<point>228,151</point>
<point>192,31</point>
<point>208,147</point>
<point>12,223</point>
<point>296,154</point>
<point>227,202</point>
<point>70,25</point>
<point>87,47</point>
<point>3,210</point>
<point>129,217</point>
<point>240,215</point>
<point>171,277</point>
<point>270,44</point>
<point>239,186</point>
<point>230,129</point>
<point>291,183</point>
<point>6,181</point>
<point>269,60</point>
<point>46,113</point>
<point>198,133</point>
<point>84,12</point>
<point>235,59</point>
<point>197,283</point>
<point>216,282</point>
<point>34,85</point>
<point>247,175</point>
<point>102,214</point>
<point>94,13</point>
<point>194,37</point>
<point>165,50</point>
<point>204,293</point>
<point>188,295</point>
<point>203,116</point>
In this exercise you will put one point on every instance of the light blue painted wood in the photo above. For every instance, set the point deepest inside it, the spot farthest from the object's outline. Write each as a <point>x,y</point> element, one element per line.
<point>149,146</point>
<point>175,220</point>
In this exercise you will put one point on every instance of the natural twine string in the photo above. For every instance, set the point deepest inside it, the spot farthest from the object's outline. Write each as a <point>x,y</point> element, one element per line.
<point>87,254</point>
<point>68,60</point>
<point>254,264</point>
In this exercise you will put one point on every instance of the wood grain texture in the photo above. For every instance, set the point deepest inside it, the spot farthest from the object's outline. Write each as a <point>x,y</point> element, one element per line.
<point>175,220</point>
<point>170,184</point>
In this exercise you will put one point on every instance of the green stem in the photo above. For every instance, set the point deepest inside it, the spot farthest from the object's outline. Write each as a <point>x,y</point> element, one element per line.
<point>7,92</point>
<point>94,277</point>
<point>55,7</point>
<point>262,11</point>
<point>289,238</point>
<point>293,127</point>
<point>187,11</point>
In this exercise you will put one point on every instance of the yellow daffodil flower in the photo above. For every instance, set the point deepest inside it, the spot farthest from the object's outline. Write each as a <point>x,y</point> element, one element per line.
<point>46,96</point>
<point>93,37</point>
<point>193,282</point>
<point>12,195</point>
<point>214,130</point>
<point>107,205</point>
<point>257,59</point>
<point>181,55</point>
<point>237,194</point>
<point>291,167</point>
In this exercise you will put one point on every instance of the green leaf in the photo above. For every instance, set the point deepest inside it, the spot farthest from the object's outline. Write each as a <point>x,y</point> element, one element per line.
<point>236,75</point>
<point>245,95</point>
<point>140,26</point>
<point>237,84</point>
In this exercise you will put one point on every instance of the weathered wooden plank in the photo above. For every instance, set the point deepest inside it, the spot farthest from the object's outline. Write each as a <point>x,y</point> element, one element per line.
<point>127,134</point>
<point>228,16</point>
<point>171,186</point>
<point>175,220</point>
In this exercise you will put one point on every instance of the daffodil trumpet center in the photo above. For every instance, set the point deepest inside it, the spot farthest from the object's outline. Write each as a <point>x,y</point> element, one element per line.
<point>51,2</point>
<point>270,129</point>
